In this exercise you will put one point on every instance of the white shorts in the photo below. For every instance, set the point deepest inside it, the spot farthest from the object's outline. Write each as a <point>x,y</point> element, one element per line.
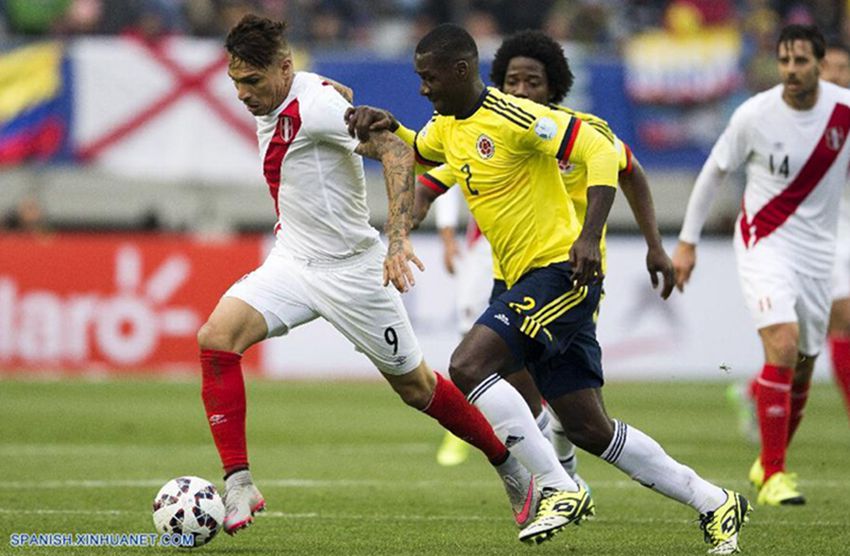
<point>841,271</point>
<point>350,295</point>
<point>776,293</point>
<point>474,275</point>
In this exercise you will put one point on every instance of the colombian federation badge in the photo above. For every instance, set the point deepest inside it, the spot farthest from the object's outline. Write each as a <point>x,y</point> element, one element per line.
<point>486,147</point>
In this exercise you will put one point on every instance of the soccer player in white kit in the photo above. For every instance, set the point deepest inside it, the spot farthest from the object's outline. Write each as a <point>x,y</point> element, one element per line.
<point>327,262</point>
<point>836,68</point>
<point>793,139</point>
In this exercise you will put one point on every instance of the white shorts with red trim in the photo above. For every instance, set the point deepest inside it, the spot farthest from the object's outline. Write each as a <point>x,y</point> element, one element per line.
<point>289,292</point>
<point>841,272</point>
<point>777,293</point>
<point>474,275</point>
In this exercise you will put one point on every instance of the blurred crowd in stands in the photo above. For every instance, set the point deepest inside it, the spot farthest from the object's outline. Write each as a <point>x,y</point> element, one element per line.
<point>392,26</point>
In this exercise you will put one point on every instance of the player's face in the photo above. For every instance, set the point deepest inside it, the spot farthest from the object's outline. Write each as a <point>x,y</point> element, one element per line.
<point>799,69</point>
<point>439,83</point>
<point>526,78</point>
<point>261,90</point>
<point>835,67</point>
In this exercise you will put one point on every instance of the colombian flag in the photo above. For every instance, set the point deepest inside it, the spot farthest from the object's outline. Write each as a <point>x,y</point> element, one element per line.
<point>35,104</point>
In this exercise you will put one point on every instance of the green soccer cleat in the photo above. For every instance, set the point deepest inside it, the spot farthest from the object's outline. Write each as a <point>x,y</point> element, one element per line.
<point>721,526</point>
<point>738,396</point>
<point>781,490</point>
<point>452,451</point>
<point>756,475</point>
<point>557,509</point>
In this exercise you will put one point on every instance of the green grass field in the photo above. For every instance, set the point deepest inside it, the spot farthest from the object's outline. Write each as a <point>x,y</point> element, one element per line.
<point>348,469</point>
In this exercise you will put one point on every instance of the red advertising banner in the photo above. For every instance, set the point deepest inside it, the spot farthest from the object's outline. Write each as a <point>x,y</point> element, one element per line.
<point>106,302</point>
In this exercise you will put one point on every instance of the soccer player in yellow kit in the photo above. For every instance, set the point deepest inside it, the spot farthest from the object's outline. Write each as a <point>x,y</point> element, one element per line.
<point>504,153</point>
<point>530,64</point>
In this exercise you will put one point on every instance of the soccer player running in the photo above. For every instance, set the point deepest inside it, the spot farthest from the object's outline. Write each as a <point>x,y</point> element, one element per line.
<point>836,69</point>
<point>504,153</point>
<point>529,64</point>
<point>793,139</point>
<point>327,262</point>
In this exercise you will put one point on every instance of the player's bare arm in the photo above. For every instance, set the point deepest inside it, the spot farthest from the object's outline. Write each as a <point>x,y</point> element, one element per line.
<point>423,199</point>
<point>684,261</point>
<point>450,248</point>
<point>585,256</point>
<point>636,189</point>
<point>364,120</point>
<point>397,160</point>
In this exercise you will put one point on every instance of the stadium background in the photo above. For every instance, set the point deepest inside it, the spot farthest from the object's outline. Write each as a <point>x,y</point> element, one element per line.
<point>132,196</point>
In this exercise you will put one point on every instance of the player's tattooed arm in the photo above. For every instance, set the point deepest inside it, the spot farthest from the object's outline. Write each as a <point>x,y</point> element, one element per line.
<point>397,160</point>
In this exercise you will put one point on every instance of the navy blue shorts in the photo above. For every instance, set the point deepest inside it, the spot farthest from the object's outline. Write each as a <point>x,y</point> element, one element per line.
<point>550,327</point>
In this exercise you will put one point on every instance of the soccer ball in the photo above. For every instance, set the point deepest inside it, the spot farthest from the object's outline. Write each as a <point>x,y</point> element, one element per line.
<point>189,506</point>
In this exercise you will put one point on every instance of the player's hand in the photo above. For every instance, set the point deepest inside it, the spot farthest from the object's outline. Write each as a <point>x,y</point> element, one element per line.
<point>586,261</point>
<point>362,120</point>
<point>396,269</point>
<point>684,261</point>
<point>657,262</point>
<point>450,249</point>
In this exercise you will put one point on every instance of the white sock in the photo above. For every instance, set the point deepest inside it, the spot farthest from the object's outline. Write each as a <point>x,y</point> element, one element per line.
<point>544,423</point>
<point>645,461</point>
<point>564,449</point>
<point>514,424</point>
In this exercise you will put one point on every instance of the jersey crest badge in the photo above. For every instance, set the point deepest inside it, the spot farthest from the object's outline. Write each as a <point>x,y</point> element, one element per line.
<point>834,137</point>
<point>546,128</point>
<point>485,146</point>
<point>287,129</point>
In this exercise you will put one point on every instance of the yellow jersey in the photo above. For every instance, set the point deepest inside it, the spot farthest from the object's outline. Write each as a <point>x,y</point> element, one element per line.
<point>505,157</point>
<point>574,174</point>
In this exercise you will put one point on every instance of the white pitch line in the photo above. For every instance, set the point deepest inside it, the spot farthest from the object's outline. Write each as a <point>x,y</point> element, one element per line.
<point>350,483</point>
<point>420,518</point>
<point>49,450</point>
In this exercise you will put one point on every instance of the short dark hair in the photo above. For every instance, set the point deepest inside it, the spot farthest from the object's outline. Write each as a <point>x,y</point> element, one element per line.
<point>796,32</point>
<point>541,47</point>
<point>448,42</point>
<point>257,41</point>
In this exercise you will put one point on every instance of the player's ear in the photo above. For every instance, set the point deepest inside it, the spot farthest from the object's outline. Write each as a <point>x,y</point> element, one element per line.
<point>285,64</point>
<point>462,69</point>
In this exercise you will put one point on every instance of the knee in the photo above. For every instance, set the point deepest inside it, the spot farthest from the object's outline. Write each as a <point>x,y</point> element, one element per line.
<point>212,336</point>
<point>416,388</point>
<point>465,370</point>
<point>781,347</point>
<point>417,396</point>
<point>590,436</point>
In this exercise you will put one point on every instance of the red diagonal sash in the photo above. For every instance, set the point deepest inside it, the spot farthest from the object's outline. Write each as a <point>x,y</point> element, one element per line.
<point>777,210</point>
<point>288,124</point>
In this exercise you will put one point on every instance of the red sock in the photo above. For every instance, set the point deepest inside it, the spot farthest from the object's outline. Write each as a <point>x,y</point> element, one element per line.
<point>773,405</point>
<point>450,407</point>
<point>223,392</point>
<point>799,397</point>
<point>841,365</point>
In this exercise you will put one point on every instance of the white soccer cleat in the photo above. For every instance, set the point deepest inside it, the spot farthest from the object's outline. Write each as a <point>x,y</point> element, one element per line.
<point>521,489</point>
<point>241,501</point>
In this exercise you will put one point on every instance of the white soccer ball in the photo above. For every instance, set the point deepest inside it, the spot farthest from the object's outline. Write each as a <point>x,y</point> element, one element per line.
<point>189,506</point>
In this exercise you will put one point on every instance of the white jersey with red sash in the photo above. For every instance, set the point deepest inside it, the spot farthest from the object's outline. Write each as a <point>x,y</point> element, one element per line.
<point>314,176</point>
<point>796,165</point>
